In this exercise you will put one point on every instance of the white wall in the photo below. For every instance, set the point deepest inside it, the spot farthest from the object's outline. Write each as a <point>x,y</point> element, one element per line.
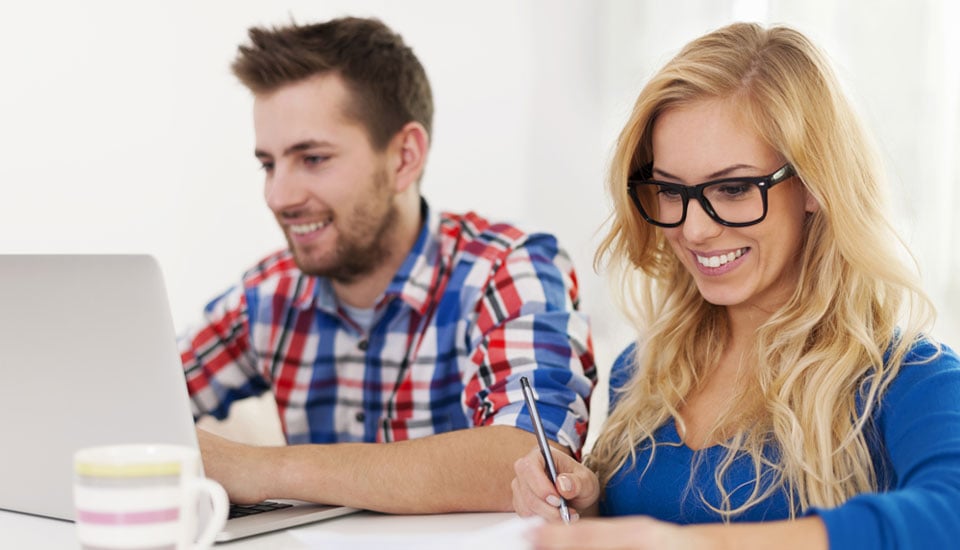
<point>122,129</point>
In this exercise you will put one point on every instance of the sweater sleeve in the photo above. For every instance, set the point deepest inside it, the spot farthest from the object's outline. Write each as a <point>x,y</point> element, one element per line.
<point>919,421</point>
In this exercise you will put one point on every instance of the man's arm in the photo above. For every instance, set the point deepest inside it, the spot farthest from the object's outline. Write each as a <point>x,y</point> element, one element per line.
<point>218,359</point>
<point>450,472</point>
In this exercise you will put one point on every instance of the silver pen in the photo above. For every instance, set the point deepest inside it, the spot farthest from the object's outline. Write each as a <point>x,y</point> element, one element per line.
<point>542,441</point>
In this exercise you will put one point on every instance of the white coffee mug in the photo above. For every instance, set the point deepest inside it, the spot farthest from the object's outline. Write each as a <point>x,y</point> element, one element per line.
<point>144,496</point>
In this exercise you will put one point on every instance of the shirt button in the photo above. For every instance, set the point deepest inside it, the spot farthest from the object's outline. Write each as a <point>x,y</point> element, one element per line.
<point>361,417</point>
<point>363,345</point>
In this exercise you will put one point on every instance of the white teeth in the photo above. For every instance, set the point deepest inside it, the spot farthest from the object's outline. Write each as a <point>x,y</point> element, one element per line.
<point>717,261</point>
<point>302,229</point>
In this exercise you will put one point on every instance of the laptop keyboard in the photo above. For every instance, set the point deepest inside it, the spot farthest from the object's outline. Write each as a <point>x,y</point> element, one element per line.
<point>243,510</point>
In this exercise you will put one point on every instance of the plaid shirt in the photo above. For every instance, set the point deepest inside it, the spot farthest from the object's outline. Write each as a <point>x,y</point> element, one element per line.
<point>474,307</point>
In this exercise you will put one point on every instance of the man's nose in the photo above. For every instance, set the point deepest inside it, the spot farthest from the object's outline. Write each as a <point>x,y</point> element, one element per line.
<point>284,190</point>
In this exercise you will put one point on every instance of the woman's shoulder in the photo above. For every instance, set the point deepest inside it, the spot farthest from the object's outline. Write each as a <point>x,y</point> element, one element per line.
<point>932,355</point>
<point>928,369</point>
<point>624,366</point>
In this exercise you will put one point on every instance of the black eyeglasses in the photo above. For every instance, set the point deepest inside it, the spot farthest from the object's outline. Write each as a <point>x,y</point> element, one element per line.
<point>733,202</point>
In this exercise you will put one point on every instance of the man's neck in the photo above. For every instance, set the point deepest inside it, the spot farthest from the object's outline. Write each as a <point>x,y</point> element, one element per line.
<point>364,291</point>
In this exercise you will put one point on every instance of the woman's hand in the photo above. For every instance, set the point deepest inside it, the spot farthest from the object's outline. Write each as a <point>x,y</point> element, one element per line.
<point>636,533</point>
<point>535,495</point>
<point>643,533</point>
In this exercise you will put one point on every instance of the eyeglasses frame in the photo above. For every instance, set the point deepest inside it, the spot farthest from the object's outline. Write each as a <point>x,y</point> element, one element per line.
<point>764,183</point>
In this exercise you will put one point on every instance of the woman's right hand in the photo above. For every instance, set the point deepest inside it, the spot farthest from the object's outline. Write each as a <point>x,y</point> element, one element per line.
<point>535,495</point>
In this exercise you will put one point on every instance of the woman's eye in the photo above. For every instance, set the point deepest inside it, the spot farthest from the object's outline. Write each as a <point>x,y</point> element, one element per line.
<point>669,193</point>
<point>734,189</point>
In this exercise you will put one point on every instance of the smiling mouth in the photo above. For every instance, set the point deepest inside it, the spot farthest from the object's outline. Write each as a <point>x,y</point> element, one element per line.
<point>722,259</point>
<point>304,228</point>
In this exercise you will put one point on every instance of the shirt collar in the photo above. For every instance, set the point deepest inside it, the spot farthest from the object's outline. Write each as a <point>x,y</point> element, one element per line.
<point>416,280</point>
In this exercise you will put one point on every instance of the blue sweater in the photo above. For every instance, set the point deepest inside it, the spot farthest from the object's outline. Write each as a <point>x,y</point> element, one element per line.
<point>916,457</point>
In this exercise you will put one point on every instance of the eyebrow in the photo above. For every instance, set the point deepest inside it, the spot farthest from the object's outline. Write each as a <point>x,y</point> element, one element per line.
<point>295,148</point>
<point>718,174</point>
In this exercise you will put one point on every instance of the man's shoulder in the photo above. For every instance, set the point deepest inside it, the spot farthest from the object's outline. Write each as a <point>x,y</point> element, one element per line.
<point>476,235</point>
<point>277,265</point>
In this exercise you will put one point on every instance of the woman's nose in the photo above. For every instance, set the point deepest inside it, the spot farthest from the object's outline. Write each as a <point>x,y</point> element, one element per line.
<point>698,226</point>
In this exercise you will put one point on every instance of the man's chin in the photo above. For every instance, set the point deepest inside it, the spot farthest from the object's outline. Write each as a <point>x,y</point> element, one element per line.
<point>310,266</point>
<point>314,270</point>
<point>318,268</point>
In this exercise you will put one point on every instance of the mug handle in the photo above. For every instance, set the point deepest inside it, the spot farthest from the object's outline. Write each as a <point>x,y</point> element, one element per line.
<point>218,517</point>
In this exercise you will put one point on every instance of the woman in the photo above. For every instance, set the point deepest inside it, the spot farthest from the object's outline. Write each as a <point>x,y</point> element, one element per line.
<point>781,392</point>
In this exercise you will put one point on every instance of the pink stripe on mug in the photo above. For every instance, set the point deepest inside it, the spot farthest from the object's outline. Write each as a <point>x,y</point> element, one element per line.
<point>128,518</point>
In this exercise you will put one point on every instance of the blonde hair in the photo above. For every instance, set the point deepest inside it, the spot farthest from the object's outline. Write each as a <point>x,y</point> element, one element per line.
<point>827,355</point>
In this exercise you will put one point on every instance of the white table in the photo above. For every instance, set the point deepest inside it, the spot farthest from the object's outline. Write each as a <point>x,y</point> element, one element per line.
<point>25,531</point>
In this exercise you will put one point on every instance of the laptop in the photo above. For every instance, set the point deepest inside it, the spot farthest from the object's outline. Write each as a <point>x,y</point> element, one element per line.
<point>88,357</point>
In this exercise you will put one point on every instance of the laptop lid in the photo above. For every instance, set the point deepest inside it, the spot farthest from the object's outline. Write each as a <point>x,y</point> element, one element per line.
<point>88,356</point>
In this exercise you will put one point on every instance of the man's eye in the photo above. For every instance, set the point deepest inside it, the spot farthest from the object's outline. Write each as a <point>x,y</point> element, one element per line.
<point>313,160</point>
<point>266,166</point>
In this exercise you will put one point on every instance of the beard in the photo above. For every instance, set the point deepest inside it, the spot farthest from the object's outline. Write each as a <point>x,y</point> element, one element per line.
<point>362,242</point>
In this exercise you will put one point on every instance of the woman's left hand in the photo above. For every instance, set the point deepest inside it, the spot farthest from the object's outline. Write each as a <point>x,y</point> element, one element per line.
<point>636,533</point>
<point>642,533</point>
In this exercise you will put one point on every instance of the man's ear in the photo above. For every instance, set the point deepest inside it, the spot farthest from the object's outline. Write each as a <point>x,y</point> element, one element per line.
<point>408,150</point>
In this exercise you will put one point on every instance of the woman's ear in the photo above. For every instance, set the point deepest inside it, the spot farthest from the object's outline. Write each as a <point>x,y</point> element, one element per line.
<point>810,203</point>
<point>409,148</point>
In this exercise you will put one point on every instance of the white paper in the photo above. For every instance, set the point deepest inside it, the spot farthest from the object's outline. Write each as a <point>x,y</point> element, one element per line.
<point>507,535</point>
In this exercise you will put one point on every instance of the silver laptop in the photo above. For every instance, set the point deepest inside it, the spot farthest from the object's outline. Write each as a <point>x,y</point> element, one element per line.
<point>88,356</point>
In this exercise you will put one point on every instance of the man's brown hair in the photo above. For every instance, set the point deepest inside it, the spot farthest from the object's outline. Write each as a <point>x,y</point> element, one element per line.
<point>389,86</point>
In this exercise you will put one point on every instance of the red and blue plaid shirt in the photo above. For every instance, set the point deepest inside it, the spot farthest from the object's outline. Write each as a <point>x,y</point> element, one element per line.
<point>474,307</point>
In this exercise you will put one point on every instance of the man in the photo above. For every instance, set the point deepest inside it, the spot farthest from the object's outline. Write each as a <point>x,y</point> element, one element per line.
<point>383,322</point>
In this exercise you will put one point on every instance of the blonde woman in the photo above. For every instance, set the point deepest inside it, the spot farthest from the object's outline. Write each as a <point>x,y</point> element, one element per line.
<point>781,392</point>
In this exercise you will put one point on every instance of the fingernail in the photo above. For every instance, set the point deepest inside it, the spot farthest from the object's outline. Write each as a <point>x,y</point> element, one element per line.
<point>574,517</point>
<point>564,483</point>
<point>553,501</point>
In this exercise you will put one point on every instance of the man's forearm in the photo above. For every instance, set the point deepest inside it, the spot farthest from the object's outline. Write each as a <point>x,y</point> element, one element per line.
<point>464,470</point>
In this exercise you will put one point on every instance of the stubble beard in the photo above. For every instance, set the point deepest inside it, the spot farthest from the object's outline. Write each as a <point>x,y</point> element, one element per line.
<point>362,243</point>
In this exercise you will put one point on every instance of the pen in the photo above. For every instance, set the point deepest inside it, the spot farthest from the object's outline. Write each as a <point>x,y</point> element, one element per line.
<point>542,441</point>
